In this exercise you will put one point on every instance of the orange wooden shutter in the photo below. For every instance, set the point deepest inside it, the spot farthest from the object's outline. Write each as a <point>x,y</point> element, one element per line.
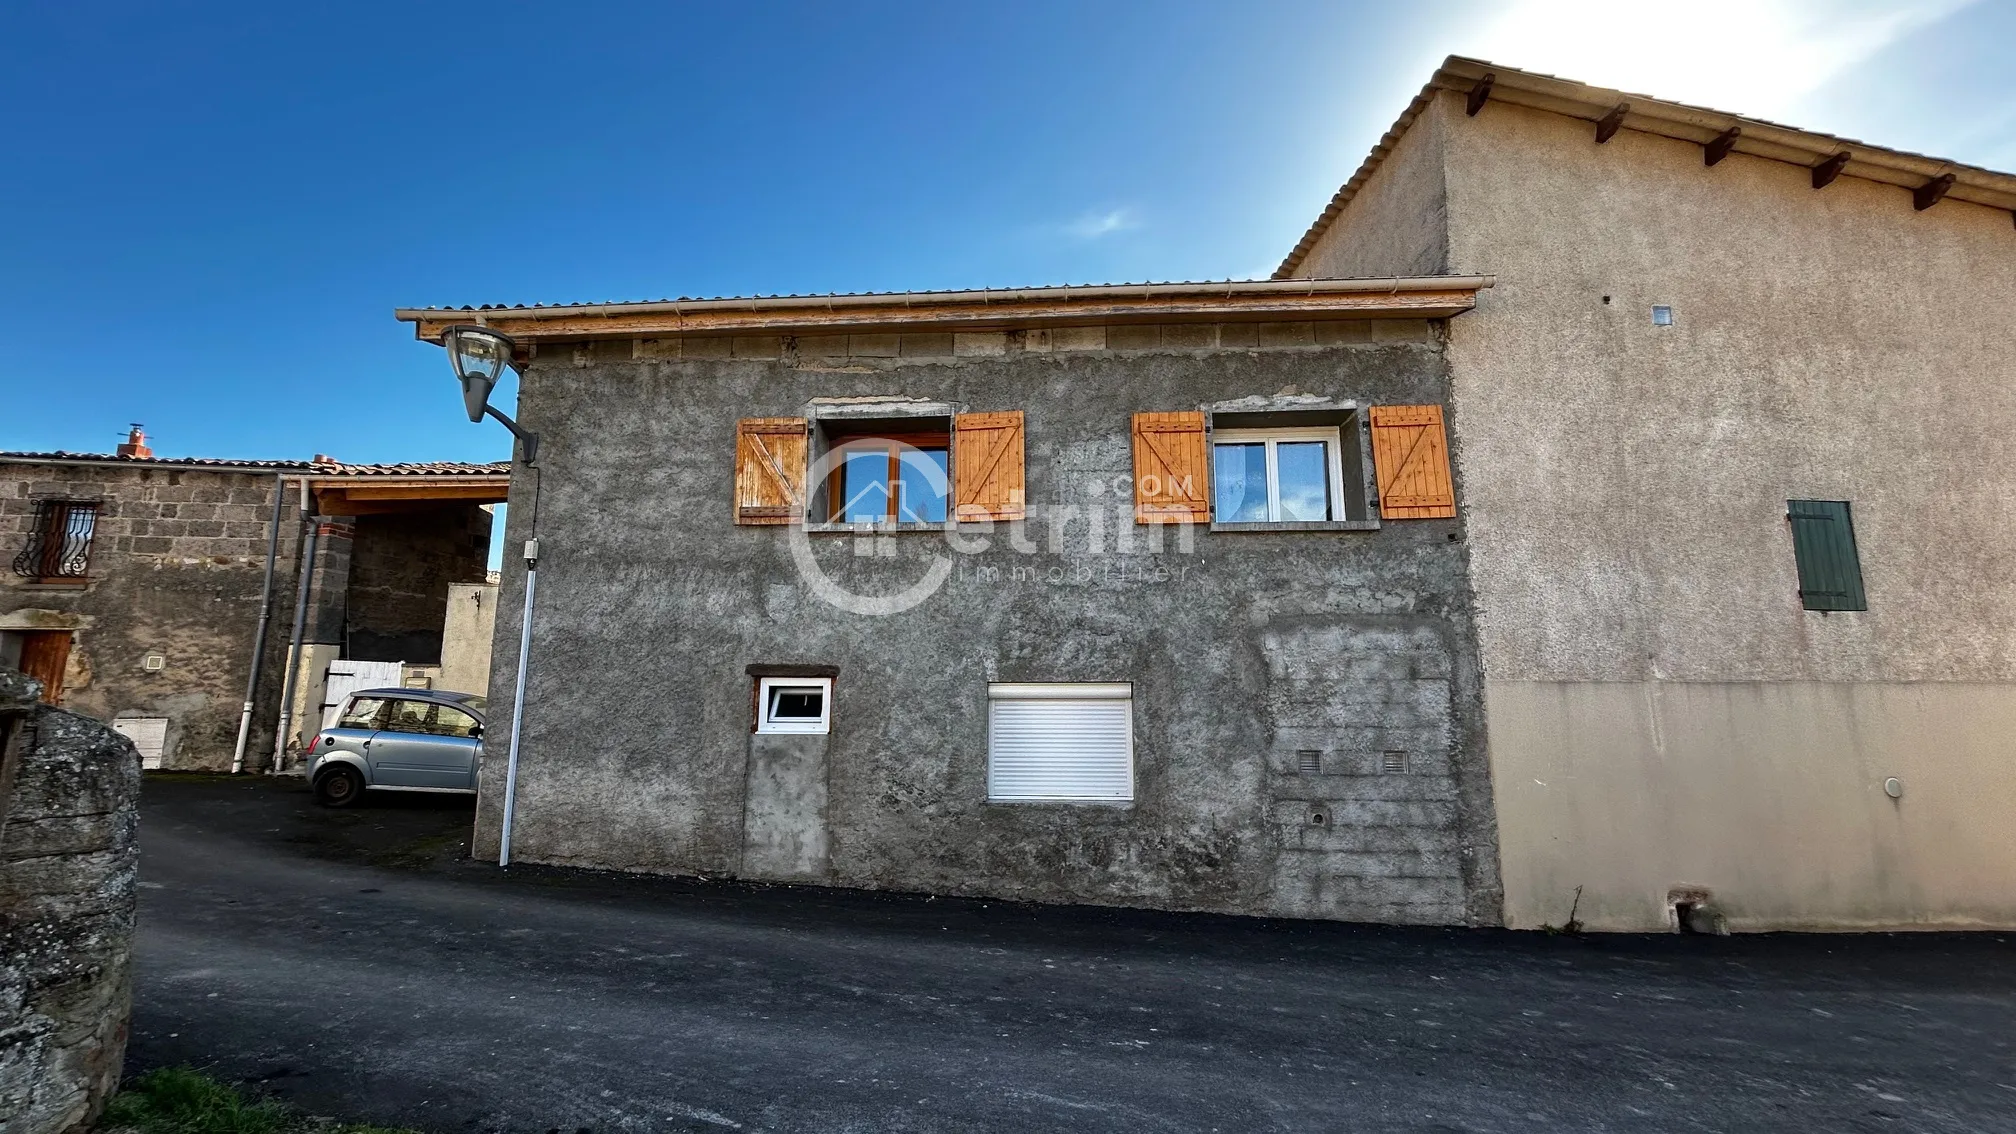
<point>1411,453</point>
<point>1172,469</point>
<point>770,470</point>
<point>987,466</point>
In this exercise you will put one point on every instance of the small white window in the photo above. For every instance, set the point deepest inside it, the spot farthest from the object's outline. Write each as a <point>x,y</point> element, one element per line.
<point>1060,742</point>
<point>794,704</point>
<point>1261,476</point>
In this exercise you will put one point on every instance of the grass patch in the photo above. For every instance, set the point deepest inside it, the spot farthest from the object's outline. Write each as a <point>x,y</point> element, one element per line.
<point>179,1100</point>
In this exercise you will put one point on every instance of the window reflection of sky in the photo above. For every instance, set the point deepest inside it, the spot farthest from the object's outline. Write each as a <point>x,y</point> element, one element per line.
<point>1240,474</point>
<point>924,478</point>
<point>1303,473</point>
<point>865,484</point>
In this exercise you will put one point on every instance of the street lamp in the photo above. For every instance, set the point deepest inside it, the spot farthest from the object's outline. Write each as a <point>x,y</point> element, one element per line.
<point>479,356</point>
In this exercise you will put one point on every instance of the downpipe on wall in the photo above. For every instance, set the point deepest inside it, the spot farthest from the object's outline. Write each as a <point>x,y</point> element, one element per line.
<point>518,701</point>
<point>265,616</point>
<point>308,540</point>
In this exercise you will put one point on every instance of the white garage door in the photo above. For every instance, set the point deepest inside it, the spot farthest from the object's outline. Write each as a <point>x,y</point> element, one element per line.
<point>1059,742</point>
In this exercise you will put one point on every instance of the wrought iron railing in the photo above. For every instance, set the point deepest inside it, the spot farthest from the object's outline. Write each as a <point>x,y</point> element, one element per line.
<point>59,547</point>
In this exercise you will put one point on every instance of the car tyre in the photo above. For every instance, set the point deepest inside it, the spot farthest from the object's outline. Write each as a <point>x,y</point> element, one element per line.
<point>340,786</point>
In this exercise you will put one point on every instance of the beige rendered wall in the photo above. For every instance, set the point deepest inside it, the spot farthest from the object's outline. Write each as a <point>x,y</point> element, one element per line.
<point>1394,224</point>
<point>1661,711</point>
<point>465,638</point>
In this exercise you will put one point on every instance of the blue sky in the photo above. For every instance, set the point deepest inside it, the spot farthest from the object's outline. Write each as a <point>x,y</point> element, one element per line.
<point>209,213</point>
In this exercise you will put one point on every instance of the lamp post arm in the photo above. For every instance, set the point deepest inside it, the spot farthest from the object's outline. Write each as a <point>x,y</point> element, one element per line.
<point>530,438</point>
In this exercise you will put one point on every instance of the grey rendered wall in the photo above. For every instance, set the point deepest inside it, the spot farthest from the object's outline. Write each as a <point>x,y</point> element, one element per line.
<point>1397,222</point>
<point>1243,648</point>
<point>1662,712</point>
<point>176,566</point>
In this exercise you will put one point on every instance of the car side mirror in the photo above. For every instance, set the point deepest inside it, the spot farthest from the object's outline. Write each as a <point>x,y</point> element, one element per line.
<point>476,732</point>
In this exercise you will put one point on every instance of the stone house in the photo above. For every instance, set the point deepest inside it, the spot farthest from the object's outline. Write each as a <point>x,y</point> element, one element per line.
<point>1186,596</point>
<point>1718,347</point>
<point>138,590</point>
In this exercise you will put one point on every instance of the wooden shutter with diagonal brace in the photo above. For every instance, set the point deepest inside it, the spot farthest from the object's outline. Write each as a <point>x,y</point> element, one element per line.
<point>1172,469</point>
<point>1410,451</point>
<point>987,471</point>
<point>770,470</point>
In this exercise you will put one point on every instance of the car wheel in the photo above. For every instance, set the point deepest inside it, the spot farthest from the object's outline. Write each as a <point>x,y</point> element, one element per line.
<point>340,786</point>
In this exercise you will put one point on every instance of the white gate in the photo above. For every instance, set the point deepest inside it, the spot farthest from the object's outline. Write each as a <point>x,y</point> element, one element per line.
<point>345,677</point>
<point>148,734</point>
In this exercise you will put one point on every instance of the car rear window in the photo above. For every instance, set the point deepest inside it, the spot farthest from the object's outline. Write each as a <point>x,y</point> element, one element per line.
<point>363,713</point>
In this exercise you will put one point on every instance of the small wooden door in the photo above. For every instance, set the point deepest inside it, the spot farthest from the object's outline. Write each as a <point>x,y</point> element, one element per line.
<point>44,654</point>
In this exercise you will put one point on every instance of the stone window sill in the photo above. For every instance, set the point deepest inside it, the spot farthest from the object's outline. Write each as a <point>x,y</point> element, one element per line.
<point>1301,526</point>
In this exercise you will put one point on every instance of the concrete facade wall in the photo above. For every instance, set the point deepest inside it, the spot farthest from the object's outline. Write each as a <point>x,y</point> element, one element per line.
<point>466,633</point>
<point>1397,223</point>
<point>1662,712</point>
<point>177,562</point>
<point>1244,648</point>
<point>69,863</point>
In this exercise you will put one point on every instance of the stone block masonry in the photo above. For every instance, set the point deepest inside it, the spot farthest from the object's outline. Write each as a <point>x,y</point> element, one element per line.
<point>69,811</point>
<point>162,626</point>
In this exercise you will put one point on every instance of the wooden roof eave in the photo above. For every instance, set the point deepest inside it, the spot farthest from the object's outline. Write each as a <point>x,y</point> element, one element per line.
<point>1406,299</point>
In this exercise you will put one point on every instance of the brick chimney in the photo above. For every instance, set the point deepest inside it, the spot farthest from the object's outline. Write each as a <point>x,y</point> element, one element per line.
<point>136,444</point>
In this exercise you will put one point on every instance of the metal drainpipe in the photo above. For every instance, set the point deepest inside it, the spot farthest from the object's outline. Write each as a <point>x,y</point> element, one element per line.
<point>518,702</point>
<point>294,640</point>
<point>265,616</point>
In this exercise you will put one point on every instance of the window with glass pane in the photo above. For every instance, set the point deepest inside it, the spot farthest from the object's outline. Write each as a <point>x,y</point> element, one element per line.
<point>363,713</point>
<point>898,479</point>
<point>410,716</point>
<point>1276,476</point>
<point>453,722</point>
<point>794,704</point>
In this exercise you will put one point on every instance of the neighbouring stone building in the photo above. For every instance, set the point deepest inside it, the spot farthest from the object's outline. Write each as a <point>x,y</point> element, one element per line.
<point>1178,594</point>
<point>137,584</point>
<point>1705,324</point>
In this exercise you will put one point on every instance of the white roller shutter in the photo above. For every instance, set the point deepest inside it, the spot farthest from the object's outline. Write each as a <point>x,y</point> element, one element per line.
<point>1060,743</point>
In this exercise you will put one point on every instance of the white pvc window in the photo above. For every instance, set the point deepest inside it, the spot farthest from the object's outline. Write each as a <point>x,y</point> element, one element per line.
<point>1058,742</point>
<point>794,704</point>
<point>1261,476</point>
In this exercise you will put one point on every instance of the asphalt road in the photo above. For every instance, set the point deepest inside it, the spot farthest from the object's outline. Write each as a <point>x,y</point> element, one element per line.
<point>355,964</point>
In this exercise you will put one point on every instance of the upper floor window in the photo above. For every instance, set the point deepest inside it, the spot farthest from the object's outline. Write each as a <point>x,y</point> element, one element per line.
<point>59,543</point>
<point>1277,475</point>
<point>925,470</point>
<point>896,478</point>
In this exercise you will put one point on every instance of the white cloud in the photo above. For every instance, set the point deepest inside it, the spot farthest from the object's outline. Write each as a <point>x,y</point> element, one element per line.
<point>1094,225</point>
<point>1754,57</point>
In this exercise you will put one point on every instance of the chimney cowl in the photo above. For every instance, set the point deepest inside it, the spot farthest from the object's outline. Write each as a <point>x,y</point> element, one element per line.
<point>136,444</point>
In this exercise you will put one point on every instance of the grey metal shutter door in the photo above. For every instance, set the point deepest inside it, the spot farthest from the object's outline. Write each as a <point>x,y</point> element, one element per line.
<point>1060,743</point>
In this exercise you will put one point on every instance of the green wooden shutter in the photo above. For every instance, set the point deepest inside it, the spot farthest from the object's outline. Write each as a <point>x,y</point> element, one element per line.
<point>1823,543</point>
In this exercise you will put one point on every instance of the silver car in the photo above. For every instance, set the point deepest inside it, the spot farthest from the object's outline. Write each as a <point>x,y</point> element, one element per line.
<point>398,740</point>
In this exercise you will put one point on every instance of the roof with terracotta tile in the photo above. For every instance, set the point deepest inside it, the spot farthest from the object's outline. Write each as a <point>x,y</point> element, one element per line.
<point>306,468</point>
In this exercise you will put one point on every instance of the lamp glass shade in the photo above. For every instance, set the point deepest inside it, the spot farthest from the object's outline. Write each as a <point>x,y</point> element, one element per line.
<point>479,356</point>
<point>477,353</point>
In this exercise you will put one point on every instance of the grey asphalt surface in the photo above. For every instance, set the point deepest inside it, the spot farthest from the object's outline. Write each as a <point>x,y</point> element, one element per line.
<point>356,964</point>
